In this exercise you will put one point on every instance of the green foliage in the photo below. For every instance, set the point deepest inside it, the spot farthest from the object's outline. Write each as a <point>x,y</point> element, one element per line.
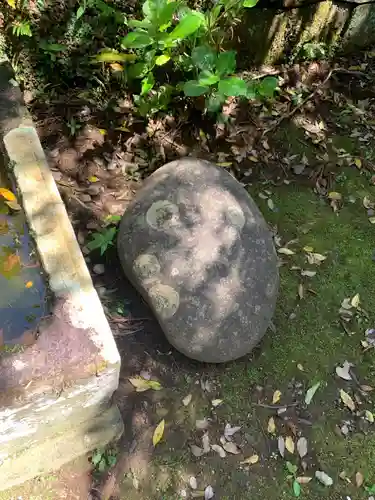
<point>102,239</point>
<point>171,53</point>
<point>103,460</point>
<point>313,50</point>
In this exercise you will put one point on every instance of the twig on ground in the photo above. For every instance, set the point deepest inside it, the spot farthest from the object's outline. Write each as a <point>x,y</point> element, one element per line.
<point>311,95</point>
<point>276,407</point>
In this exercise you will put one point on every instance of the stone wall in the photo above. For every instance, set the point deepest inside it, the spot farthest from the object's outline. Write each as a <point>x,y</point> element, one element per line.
<point>276,29</point>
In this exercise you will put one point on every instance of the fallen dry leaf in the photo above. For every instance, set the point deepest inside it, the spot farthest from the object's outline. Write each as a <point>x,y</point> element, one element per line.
<point>300,291</point>
<point>250,460</point>
<point>369,416</point>
<point>366,388</point>
<point>289,444</point>
<point>359,479</point>
<point>208,493</point>
<point>141,384</point>
<point>276,397</point>
<point>344,477</point>
<point>315,258</point>
<point>231,448</point>
<point>229,431</point>
<point>311,392</point>
<point>347,400</point>
<point>302,447</point>
<point>281,445</point>
<point>206,443</point>
<point>285,251</point>
<point>219,450</point>
<point>196,450</point>
<point>7,195</point>
<point>271,426</point>
<point>158,432</point>
<point>303,479</point>
<point>355,301</point>
<point>300,367</point>
<point>323,478</point>
<point>343,371</point>
<point>187,400</point>
<point>308,273</point>
<point>216,402</point>
<point>193,483</point>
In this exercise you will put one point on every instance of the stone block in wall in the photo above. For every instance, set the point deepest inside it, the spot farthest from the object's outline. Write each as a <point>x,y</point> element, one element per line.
<point>360,31</point>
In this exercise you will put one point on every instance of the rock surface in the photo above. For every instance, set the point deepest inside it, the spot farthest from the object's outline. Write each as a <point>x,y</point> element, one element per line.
<point>196,246</point>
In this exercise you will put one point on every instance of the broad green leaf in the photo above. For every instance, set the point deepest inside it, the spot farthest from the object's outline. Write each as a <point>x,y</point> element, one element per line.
<point>136,40</point>
<point>296,488</point>
<point>80,11</point>
<point>250,3</point>
<point>226,63</point>
<point>208,78</point>
<point>203,57</point>
<point>112,56</point>
<point>137,70</point>
<point>135,23</point>
<point>251,92</point>
<point>214,102</point>
<point>268,86</point>
<point>292,469</point>
<point>311,392</point>
<point>192,88</point>
<point>165,16</point>
<point>147,84</point>
<point>161,60</point>
<point>53,47</point>
<point>187,26</point>
<point>158,433</point>
<point>233,87</point>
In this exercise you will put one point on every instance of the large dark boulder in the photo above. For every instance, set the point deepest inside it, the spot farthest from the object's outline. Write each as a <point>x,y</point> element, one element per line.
<point>195,245</point>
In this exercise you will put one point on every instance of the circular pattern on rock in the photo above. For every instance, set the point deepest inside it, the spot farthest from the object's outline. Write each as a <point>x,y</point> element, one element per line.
<point>145,266</point>
<point>161,214</point>
<point>164,299</point>
<point>236,216</point>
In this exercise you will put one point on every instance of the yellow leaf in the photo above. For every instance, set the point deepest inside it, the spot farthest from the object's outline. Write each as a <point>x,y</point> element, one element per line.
<point>224,164</point>
<point>14,205</point>
<point>271,426</point>
<point>93,178</point>
<point>276,397</point>
<point>253,159</point>
<point>29,284</point>
<point>355,301</point>
<point>308,249</point>
<point>334,195</point>
<point>111,56</point>
<point>7,195</point>
<point>250,460</point>
<point>347,400</point>
<point>369,416</point>
<point>289,444</point>
<point>358,163</point>
<point>116,66</point>
<point>103,131</point>
<point>11,3</point>
<point>142,385</point>
<point>158,432</point>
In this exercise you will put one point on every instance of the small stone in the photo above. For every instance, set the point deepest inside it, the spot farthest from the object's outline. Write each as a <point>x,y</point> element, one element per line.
<point>86,198</point>
<point>54,153</point>
<point>101,291</point>
<point>99,269</point>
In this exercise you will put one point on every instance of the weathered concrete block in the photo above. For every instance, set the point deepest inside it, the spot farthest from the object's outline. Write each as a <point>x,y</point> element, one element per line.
<point>198,249</point>
<point>56,394</point>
